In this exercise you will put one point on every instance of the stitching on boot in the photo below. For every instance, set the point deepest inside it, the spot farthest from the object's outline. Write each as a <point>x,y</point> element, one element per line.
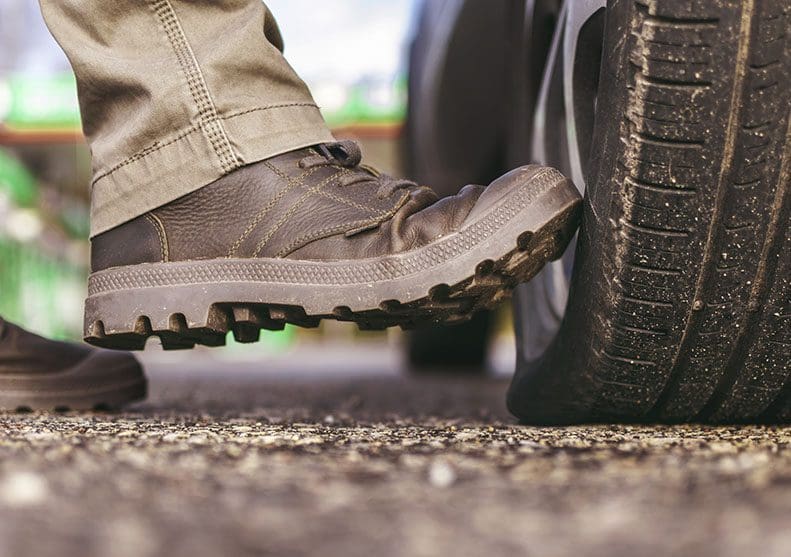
<point>376,217</point>
<point>330,230</point>
<point>332,196</point>
<point>353,273</point>
<point>350,203</point>
<point>163,241</point>
<point>290,183</point>
<point>208,118</point>
<point>299,202</point>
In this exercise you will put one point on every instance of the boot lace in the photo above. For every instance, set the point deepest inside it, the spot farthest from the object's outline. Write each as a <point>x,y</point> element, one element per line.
<point>346,154</point>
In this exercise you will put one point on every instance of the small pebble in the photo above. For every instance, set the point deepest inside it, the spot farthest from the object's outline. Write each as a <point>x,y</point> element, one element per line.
<point>23,489</point>
<point>441,474</point>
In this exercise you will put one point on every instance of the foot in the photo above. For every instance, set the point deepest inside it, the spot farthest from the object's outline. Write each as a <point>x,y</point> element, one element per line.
<point>314,234</point>
<point>42,374</point>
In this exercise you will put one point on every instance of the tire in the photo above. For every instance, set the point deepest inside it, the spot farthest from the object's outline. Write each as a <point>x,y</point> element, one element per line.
<point>678,307</point>
<point>457,349</point>
<point>458,65</point>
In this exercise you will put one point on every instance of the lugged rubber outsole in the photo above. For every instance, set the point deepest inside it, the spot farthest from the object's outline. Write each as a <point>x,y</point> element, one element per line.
<point>200,302</point>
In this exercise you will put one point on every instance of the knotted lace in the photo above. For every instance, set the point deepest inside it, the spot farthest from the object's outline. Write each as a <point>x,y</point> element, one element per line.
<point>347,154</point>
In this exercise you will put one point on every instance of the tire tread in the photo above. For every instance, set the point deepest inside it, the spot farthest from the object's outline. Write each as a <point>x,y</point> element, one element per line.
<point>682,279</point>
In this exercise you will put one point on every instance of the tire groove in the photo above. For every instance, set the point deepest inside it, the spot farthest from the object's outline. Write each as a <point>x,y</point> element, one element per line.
<point>733,126</point>
<point>761,286</point>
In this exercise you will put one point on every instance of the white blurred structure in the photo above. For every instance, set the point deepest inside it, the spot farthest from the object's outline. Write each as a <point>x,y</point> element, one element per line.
<point>25,43</point>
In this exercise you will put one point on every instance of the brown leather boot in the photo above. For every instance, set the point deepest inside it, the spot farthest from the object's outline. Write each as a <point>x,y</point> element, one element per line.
<point>315,234</point>
<point>42,374</point>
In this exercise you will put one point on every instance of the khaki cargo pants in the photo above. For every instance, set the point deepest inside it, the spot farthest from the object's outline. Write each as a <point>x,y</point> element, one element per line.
<point>175,94</point>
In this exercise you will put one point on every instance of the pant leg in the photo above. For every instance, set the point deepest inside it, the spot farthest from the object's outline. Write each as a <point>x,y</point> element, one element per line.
<point>176,93</point>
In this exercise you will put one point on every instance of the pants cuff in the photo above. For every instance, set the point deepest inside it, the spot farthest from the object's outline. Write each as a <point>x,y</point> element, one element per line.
<point>186,161</point>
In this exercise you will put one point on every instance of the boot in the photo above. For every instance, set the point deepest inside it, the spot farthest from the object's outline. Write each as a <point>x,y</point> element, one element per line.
<point>315,234</point>
<point>41,374</point>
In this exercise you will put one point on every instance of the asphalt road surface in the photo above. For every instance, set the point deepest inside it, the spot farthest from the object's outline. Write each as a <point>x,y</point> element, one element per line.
<point>343,455</point>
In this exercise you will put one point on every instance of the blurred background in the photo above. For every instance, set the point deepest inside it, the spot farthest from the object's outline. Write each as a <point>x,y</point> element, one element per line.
<point>45,163</point>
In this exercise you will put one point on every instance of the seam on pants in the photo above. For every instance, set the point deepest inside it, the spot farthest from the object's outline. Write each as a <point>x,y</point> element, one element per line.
<point>232,115</point>
<point>154,147</point>
<point>145,152</point>
<point>207,113</point>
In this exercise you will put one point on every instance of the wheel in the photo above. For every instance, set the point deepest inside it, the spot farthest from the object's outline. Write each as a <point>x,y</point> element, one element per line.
<point>458,65</point>
<point>678,304</point>
<point>458,348</point>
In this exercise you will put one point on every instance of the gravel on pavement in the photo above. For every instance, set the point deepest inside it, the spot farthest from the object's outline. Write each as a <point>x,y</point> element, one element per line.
<point>230,459</point>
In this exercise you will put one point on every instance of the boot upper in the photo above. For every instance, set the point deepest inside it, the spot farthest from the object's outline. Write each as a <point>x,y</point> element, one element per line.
<point>319,203</point>
<point>24,353</point>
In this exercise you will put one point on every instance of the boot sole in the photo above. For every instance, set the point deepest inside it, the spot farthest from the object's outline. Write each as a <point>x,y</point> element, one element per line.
<point>199,302</point>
